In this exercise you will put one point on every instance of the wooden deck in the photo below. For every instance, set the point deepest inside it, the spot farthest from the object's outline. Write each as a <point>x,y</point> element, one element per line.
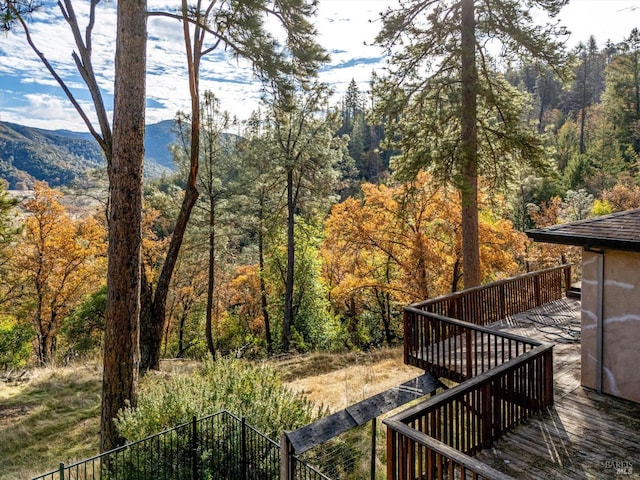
<point>585,435</point>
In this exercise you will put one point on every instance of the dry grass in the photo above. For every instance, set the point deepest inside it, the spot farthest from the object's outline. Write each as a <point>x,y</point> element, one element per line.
<point>362,376</point>
<point>52,417</point>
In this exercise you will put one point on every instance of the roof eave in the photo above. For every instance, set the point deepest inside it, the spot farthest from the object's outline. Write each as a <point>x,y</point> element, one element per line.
<point>583,241</point>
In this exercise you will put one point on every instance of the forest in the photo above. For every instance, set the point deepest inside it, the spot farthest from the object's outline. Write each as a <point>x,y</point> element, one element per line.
<point>308,226</point>
<point>366,242</point>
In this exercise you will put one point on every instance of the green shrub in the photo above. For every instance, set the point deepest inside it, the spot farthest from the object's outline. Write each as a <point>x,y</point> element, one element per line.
<point>15,343</point>
<point>83,330</point>
<point>253,391</point>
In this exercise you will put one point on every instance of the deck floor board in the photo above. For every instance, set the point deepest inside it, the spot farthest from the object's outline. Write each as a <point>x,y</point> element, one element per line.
<point>584,435</point>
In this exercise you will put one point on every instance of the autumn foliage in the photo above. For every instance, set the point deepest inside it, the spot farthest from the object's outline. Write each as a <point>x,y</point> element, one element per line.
<point>61,259</point>
<point>402,243</point>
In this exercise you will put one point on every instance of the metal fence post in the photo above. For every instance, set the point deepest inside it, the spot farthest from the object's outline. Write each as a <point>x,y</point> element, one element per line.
<point>243,448</point>
<point>194,448</point>
<point>373,447</point>
<point>61,470</point>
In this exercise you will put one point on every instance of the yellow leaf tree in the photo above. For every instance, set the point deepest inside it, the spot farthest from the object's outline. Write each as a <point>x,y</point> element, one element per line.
<point>61,259</point>
<point>403,243</point>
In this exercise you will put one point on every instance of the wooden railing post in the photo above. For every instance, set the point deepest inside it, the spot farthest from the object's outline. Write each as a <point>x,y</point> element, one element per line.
<point>409,338</point>
<point>548,377</point>
<point>393,462</point>
<point>469,354</point>
<point>285,457</point>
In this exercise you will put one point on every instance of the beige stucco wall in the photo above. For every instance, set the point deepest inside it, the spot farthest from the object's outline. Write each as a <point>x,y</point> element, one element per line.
<point>621,323</point>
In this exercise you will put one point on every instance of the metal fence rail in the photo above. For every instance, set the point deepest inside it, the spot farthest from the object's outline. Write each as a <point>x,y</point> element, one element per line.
<point>216,447</point>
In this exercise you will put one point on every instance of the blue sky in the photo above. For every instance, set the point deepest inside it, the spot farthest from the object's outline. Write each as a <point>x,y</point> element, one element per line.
<point>29,96</point>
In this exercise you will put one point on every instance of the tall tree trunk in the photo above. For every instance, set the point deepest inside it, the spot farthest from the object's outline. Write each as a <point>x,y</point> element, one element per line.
<point>288,292</point>
<point>212,276</point>
<point>455,278</point>
<point>384,300</point>
<point>468,183</point>
<point>181,349</point>
<point>263,287</point>
<point>146,315</point>
<point>154,322</point>
<point>584,101</point>
<point>46,346</point>
<point>541,114</point>
<point>121,353</point>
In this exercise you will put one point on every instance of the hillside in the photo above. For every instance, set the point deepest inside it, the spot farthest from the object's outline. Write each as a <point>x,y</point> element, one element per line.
<point>60,406</point>
<point>59,157</point>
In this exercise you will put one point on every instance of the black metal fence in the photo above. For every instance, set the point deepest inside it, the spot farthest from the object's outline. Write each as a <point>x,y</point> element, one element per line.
<point>217,447</point>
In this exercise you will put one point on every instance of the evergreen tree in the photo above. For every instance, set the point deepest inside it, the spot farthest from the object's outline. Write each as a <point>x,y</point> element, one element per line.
<point>307,153</point>
<point>587,86</point>
<point>621,98</point>
<point>446,109</point>
<point>262,202</point>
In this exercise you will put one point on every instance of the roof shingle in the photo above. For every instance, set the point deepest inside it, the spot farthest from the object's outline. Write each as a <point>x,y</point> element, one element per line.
<point>620,231</point>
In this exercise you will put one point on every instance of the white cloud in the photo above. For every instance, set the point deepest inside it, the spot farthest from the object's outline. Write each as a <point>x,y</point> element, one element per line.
<point>604,19</point>
<point>47,112</point>
<point>346,29</point>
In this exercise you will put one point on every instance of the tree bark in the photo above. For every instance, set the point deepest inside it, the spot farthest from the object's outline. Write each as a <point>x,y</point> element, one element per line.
<point>468,183</point>
<point>584,101</point>
<point>285,343</point>
<point>121,351</point>
<point>212,273</point>
<point>263,287</point>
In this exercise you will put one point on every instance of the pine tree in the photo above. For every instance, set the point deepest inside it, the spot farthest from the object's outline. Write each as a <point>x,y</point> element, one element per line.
<point>445,106</point>
<point>308,151</point>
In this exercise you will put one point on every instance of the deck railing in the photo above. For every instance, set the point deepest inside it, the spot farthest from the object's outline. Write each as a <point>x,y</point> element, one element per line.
<point>457,350</point>
<point>412,454</point>
<point>504,378</point>
<point>432,440</point>
<point>468,418</point>
<point>497,300</point>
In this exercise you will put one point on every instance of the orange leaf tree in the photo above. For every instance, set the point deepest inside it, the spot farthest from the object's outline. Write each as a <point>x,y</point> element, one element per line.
<point>61,260</point>
<point>401,244</point>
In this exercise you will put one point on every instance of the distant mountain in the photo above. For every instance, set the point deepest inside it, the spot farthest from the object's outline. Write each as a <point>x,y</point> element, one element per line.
<point>60,156</point>
<point>158,137</point>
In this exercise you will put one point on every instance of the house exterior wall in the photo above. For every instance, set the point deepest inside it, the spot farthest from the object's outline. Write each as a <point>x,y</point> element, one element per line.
<point>620,326</point>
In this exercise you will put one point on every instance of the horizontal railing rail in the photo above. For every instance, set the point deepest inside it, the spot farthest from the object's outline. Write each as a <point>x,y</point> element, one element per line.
<point>220,446</point>
<point>497,300</point>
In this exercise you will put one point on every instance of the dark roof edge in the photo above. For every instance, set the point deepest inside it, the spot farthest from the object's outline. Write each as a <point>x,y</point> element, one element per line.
<point>549,236</point>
